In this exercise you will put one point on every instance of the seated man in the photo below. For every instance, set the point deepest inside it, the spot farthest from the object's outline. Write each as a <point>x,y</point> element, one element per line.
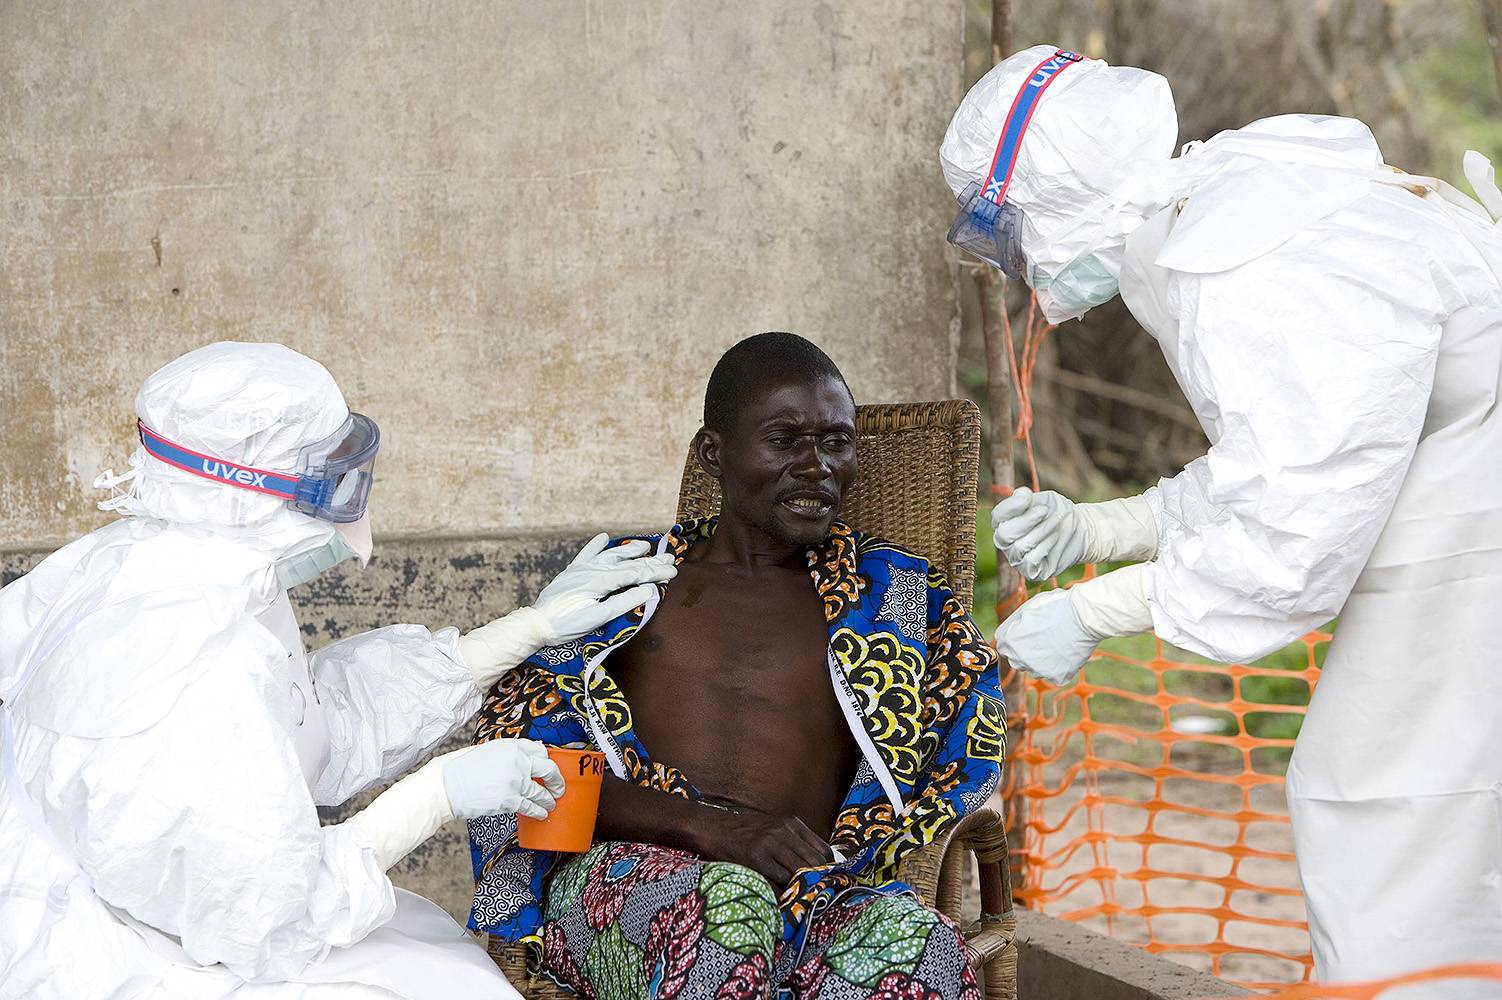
<point>800,710</point>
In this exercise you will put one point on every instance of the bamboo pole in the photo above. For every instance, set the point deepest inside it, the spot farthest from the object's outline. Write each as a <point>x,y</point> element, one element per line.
<point>990,289</point>
<point>1491,17</point>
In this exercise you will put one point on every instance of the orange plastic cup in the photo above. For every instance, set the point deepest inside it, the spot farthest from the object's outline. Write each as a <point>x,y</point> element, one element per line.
<point>570,826</point>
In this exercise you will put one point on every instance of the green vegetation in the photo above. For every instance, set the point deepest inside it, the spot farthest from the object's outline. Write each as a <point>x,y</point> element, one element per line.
<point>1459,104</point>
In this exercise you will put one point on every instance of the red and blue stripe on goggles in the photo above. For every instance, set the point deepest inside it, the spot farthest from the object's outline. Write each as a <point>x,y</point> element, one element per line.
<point>332,480</point>
<point>988,226</point>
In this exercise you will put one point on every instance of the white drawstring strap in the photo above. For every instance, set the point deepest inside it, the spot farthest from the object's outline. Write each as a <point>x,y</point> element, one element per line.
<point>118,499</point>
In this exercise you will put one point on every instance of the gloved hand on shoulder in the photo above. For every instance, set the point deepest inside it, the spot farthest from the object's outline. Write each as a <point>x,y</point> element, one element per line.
<point>599,585</point>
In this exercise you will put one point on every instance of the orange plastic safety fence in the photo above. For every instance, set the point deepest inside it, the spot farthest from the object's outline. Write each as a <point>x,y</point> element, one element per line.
<point>1147,797</point>
<point>1414,986</point>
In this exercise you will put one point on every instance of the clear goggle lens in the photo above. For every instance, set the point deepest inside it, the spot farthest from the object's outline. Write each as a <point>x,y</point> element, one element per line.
<point>989,231</point>
<point>335,474</point>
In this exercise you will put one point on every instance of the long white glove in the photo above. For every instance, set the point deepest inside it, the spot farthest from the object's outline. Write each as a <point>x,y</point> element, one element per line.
<point>578,601</point>
<point>1043,534</point>
<point>483,780</point>
<point>1053,634</point>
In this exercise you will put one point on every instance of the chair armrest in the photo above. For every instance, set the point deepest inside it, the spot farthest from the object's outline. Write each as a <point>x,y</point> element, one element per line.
<point>940,871</point>
<point>941,874</point>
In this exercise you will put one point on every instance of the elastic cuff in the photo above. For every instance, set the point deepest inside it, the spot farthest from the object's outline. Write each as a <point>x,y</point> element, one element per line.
<point>1114,604</point>
<point>491,650</point>
<point>404,815</point>
<point>1124,529</point>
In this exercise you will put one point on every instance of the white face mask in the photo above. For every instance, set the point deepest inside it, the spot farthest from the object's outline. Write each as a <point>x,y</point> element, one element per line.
<point>356,535</point>
<point>300,567</point>
<point>351,540</point>
<point>1083,284</point>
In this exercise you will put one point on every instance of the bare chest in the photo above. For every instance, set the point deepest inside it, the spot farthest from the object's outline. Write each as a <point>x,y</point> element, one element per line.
<point>729,681</point>
<point>717,639</point>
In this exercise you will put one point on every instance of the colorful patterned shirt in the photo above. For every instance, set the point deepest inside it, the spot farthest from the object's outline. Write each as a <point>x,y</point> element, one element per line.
<point>917,680</point>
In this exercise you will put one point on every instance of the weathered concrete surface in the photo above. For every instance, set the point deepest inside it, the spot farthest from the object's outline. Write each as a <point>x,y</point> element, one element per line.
<point>518,233</point>
<point>462,582</point>
<point>1059,960</point>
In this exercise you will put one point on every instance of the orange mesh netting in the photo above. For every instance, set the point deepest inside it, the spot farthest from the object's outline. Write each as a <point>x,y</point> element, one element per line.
<point>1410,987</point>
<point>1146,799</point>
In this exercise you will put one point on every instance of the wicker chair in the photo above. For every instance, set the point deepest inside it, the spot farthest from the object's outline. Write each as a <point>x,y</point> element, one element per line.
<point>918,467</point>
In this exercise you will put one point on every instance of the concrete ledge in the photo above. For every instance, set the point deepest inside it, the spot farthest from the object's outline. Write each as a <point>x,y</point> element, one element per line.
<point>1059,960</point>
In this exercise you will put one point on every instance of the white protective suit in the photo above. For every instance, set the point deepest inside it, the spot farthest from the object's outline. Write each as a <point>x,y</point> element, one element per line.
<point>167,740</point>
<point>1337,328</point>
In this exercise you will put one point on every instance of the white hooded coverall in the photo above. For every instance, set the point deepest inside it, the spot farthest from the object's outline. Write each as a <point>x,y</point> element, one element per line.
<point>1337,328</point>
<point>1348,379</point>
<point>166,743</point>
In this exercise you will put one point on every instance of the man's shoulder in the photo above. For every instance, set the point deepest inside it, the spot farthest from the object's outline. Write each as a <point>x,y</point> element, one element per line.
<point>874,549</point>
<point>872,552</point>
<point>674,539</point>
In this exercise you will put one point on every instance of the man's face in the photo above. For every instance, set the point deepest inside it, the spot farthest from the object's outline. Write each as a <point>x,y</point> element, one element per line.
<point>788,462</point>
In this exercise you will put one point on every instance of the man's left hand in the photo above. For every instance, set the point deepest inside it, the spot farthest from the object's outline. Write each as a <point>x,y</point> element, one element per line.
<point>1046,637</point>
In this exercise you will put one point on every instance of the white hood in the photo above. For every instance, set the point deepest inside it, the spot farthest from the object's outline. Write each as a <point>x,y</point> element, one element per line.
<point>253,405</point>
<point>1091,167</point>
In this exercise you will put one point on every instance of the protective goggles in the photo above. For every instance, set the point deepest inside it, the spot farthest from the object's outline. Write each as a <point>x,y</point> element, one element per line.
<point>331,482</point>
<point>988,226</point>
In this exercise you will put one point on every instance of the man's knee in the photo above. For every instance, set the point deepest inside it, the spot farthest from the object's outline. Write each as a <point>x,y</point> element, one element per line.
<point>920,920</point>
<point>740,909</point>
<point>689,927</point>
<point>928,950</point>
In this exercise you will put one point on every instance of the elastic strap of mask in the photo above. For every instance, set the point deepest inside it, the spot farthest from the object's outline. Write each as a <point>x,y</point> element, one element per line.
<point>118,500</point>
<point>1009,145</point>
<point>277,484</point>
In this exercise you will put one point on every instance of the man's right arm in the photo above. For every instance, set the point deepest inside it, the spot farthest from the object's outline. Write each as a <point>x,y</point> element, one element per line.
<point>647,816</point>
<point>775,846</point>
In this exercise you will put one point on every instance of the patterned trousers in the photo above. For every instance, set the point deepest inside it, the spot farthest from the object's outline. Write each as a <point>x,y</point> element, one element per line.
<point>627,921</point>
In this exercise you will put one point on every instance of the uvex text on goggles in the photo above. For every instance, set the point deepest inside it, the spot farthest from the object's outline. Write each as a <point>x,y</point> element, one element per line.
<point>332,479</point>
<point>988,226</point>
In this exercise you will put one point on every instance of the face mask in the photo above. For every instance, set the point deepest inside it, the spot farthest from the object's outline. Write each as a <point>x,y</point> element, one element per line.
<point>356,535</point>
<point>300,567</point>
<point>1081,286</point>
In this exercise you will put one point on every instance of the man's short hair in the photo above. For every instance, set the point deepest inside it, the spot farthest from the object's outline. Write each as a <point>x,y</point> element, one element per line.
<point>756,362</point>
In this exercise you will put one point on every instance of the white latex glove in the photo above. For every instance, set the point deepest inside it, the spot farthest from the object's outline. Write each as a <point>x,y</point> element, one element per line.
<point>1046,638</point>
<point>578,601</point>
<point>494,777</point>
<point>1043,534</point>
<point>1053,634</point>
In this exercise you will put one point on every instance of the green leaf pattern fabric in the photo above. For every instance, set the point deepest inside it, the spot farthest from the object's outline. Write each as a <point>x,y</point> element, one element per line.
<point>740,912</point>
<point>615,965</point>
<point>710,929</point>
<point>879,940</point>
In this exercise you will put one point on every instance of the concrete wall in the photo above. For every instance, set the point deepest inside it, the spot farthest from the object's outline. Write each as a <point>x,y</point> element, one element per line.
<point>519,234</point>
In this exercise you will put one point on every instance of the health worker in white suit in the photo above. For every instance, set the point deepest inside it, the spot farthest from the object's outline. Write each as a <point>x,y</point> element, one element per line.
<point>166,741</point>
<point>1336,324</point>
